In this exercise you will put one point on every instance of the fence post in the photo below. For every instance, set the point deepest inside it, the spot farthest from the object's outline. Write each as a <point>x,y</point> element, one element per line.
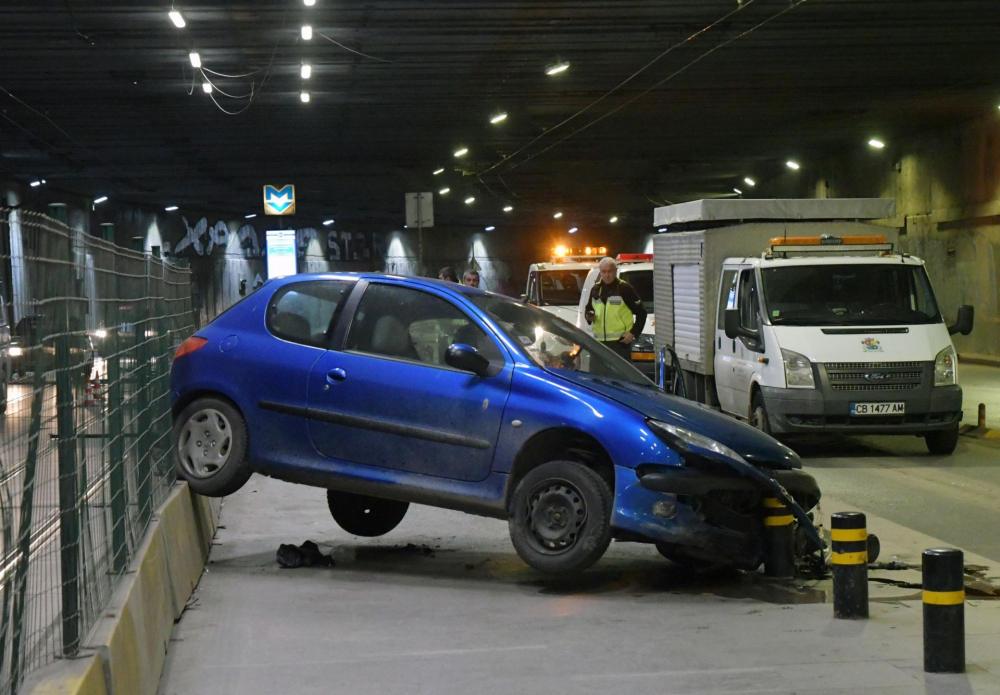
<point>116,449</point>
<point>144,470</point>
<point>69,522</point>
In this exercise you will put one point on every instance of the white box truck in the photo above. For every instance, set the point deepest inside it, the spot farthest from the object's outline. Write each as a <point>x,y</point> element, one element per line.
<point>801,316</point>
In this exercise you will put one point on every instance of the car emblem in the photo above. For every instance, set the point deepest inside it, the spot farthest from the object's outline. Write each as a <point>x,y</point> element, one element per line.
<point>876,376</point>
<point>871,345</point>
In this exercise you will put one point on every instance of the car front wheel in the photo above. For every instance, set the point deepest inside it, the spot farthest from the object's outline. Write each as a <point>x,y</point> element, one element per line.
<point>560,517</point>
<point>210,445</point>
<point>361,515</point>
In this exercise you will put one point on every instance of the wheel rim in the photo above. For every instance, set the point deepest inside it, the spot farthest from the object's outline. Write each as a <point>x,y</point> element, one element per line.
<point>758,418</point>
<point>556,516</point>
<point>205,443</point>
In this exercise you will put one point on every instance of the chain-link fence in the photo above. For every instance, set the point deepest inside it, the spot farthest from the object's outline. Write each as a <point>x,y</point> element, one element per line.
<point>85,448</point>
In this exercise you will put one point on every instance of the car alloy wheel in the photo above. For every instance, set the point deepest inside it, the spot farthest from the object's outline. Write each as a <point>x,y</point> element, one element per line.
<point>205,443</point>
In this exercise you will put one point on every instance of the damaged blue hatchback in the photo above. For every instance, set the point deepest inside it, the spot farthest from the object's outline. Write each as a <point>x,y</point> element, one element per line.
<point>390,391</point>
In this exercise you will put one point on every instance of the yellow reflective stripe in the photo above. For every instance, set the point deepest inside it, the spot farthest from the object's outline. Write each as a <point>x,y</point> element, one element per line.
<point>773,503</point>
<point>850,558</point>
<point>778,520</point>
<point>848,534</point>
<point>944,598</point>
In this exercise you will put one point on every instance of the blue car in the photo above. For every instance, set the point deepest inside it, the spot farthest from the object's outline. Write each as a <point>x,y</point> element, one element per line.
<point>389,391</point>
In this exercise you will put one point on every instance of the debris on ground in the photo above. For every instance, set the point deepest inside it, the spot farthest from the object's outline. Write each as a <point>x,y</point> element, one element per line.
<point>894,565</point>
<point>306,555</point>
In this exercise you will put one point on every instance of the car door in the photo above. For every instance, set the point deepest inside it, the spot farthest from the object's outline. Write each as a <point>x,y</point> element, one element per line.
<point>388,399</point>
<point>748,350</point>
<point>725,348</point>
<point>272,366</point>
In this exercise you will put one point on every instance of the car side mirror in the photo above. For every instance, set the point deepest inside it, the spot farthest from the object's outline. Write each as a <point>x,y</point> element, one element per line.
<point>966,314</point>
<point>466,358</point>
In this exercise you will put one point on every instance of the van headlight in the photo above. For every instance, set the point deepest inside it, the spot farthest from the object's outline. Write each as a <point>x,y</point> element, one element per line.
<point>798,370</point>
<point>945,373</point>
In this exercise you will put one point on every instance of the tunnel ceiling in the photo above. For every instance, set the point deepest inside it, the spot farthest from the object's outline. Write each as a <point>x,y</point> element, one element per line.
<point>105,100</point>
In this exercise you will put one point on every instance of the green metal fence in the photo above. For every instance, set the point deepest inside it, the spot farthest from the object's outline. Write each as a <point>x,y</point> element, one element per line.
<point>85,447</point>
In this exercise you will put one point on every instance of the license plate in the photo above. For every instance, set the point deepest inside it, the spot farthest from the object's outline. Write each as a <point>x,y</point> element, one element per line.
<point>878,408</point>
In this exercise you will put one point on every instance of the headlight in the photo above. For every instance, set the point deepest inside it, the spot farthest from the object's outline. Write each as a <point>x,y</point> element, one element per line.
<point>945,373</point>
<point>689,441</point>
<point>643,343</point>
<point>798,370</point>
<point>15,351</point>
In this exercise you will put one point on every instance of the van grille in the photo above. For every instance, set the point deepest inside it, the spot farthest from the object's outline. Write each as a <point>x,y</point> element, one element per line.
<point>875,376</point>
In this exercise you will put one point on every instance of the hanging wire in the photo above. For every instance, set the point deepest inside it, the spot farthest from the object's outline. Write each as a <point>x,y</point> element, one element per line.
<point>224,93</point>
<point>363,55</point>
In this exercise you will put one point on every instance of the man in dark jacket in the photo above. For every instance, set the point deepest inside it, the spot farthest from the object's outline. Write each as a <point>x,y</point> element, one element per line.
<point>614,310</point>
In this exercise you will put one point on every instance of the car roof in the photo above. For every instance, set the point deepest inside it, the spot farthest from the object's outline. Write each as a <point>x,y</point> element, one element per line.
<point>832,259</point>
<point>409,279</point>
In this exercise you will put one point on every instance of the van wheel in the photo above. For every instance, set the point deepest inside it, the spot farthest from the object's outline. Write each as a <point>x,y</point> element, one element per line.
<point>560,517</point>
<point>942,442</point>
<point>758,414</point>
<point>361,515</point>
<point>210,446</point>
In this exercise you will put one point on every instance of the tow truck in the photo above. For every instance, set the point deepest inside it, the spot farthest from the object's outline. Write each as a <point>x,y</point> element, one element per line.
<point>555,286</point>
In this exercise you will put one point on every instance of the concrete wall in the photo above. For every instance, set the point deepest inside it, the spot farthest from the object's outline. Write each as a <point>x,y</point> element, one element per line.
<point>947,190</point>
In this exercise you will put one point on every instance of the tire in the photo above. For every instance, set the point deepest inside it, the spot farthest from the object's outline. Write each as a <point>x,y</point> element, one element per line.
<point>210,447</point>
<point>560,517</point>
<point>361,515</point>
<point>942,442</point>
<point>758,414</point>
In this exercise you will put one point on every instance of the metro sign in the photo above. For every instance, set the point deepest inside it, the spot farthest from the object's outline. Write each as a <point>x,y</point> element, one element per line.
<point>279,201</point>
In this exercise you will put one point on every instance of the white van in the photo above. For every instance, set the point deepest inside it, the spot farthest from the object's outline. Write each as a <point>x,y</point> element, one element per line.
<point>555,286</point>
<point>637,270</point>
<point>824,329</point>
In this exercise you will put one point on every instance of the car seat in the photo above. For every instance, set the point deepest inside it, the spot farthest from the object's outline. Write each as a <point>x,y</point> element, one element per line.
<point>292,325</point>
<point>391,337</point>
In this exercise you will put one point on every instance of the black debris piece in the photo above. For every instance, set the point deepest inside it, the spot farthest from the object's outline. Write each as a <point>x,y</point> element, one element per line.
<point>306,555</point>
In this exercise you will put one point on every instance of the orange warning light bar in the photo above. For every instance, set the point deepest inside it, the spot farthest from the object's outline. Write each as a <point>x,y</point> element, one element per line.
<point>827,240</point>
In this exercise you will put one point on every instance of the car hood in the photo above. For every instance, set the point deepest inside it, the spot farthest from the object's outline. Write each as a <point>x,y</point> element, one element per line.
<point>753,445</point>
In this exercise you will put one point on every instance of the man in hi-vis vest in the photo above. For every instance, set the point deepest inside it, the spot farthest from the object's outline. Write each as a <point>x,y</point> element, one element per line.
<point>610,310</point>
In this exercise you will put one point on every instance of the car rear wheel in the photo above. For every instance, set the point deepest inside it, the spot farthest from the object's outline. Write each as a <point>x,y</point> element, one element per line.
<point>361,515</point>
<point>210,445</point>
<point>942,442</point>
<point>560,517</point>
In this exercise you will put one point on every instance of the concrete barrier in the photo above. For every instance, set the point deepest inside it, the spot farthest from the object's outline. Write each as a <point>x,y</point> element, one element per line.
<point>125,651</point>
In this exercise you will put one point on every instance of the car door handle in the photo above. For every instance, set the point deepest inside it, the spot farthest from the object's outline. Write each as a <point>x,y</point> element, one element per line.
<point>337,374</point>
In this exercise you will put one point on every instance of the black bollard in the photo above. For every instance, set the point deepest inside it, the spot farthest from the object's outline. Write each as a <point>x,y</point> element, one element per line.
<point>850,565</point>
<point>779,539</point>
<point>944,611</point>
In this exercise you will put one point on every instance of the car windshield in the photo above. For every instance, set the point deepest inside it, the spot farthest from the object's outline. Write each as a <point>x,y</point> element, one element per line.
<point>555,344</point>
<point>849,295</point>
<point>562,287</point>
<point>642,283</point>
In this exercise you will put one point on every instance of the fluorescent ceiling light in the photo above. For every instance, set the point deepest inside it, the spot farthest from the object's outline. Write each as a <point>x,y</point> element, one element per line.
<point>250,217</point>
<point>573,230</point>
<point>462,152</point>
<point>749,181</point>
<point>662,229</point>
<point>439,171</point>
<point>304,97</point>
<point>613,219</point>
<point>470,200</point>
<point>557,68</point>
<point>508,208</point>
<point>195,59</point>
<point>327,223</point>
<point>307,71</point>
<point>307,32</point>
<point>177,19</point>
<point>98,201</point>
<point>499,118</point>
<point>876,143</point>
<point>33,184</point>
<point>206,87</point>
<point>792,165</point>
<point>738,191</point>
<point>170,208</point>
<point>309,3</point>
<point>557,215</point>
<point>444,191</point>
<point>490,228</point>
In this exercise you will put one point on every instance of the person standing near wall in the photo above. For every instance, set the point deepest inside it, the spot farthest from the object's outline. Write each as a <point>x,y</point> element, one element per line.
<point>448,274</point>
<point>614,310</point>
<point>471,278</point>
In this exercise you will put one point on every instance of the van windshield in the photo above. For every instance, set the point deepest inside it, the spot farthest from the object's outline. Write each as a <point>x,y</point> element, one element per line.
<point>562,287</point>
<point>849,295</point>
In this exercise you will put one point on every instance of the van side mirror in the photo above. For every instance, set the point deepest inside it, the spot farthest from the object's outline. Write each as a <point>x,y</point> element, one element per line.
<point>467,359</point>
<point>966,314</point>
<point>732,323</point>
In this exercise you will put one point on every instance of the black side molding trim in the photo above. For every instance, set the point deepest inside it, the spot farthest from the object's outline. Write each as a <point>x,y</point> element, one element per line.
<point>864,331</point>
<point>376,425</point>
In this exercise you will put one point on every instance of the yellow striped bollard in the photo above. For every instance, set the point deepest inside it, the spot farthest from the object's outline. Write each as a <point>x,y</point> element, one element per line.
<point>944,611</point>
<point>779,539</point>
<point>850,565</point>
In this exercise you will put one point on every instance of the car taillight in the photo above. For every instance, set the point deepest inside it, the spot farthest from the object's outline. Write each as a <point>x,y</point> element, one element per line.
<point>188,346</point>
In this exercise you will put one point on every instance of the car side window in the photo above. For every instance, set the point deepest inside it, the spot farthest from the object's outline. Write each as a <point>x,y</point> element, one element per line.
<point>727,295</point>
<point>305,312</point>
<point>409,324</point>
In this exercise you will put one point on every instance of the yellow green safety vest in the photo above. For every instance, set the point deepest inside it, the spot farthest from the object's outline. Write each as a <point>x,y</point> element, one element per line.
<point>611,320</point>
